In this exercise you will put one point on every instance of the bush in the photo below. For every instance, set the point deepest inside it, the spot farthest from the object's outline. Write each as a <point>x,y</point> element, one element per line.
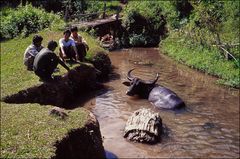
<point>78,7</point>
<point>214,22</point>
<point>26,20</point>
<point>137,40</point>
<point>144,26</point>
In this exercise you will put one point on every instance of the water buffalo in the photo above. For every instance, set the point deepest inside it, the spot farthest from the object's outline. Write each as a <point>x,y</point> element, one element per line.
<point>158,95</point>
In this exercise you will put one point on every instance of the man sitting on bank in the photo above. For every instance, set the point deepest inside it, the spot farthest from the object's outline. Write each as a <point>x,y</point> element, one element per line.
<point>46,62</point>
<point>80,43</point>
<point>31,51</point>
<point>67,47</point>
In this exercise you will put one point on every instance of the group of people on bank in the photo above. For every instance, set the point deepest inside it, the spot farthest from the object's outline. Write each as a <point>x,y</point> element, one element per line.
<point>43,61</point>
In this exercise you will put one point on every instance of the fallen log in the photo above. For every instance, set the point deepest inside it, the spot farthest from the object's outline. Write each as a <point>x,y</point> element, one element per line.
<point>144,126</point>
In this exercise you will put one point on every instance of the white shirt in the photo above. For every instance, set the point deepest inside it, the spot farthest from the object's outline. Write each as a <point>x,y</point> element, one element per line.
<point>63,43</point>
<point>79,39</point>
<point>31,50</point>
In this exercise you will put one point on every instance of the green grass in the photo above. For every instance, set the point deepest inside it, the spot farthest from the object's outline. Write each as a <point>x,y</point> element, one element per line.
<point>203,59</point>
<point>27,130</point>
<point>14,75</point>
<point>93,45</point>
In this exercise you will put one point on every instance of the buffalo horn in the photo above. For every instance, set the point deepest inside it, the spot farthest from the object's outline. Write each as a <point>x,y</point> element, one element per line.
<point>129,76</point>
<point>153,82</point>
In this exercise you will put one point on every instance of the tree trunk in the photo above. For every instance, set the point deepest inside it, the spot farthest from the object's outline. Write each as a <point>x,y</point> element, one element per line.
<point>23,2</point>
<point>104,10</point>
<point>143,126</point>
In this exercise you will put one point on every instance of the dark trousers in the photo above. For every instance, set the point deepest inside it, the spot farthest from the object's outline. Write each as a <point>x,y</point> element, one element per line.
<point>68,51</point>
<point>29,62</point>
<point>81,50</point>
<point>46,74</point>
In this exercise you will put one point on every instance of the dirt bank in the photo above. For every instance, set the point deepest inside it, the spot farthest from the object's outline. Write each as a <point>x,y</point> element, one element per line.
<point>85,142</point>
<point>62,91</point>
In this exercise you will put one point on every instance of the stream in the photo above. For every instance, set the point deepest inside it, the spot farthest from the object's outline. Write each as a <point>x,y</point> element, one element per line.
<point>207,127</point>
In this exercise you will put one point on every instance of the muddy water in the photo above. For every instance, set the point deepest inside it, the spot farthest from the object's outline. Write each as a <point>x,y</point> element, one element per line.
<point>208,127</point>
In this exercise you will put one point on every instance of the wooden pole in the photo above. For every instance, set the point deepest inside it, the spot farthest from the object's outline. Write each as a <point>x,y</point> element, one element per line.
<point>23,2</point>
<point>66,16</point>
<point>104,10</point>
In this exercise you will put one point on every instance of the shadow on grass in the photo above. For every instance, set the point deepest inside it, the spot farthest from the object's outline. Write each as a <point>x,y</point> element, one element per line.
<point>68,92</point>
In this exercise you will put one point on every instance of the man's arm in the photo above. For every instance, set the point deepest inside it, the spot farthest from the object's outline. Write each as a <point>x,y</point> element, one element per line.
<point>63,64</point>
<point>61,48</point>
<point>84,42</point>
<point>75,50</point>
<point>63,52</point>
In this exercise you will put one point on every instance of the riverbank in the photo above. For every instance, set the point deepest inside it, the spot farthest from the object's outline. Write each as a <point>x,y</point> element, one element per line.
<point>206,60</point>
<point>210,120</point>
<point>27,130</point>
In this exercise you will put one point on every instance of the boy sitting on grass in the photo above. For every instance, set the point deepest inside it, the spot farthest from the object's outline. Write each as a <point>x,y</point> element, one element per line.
<point>67,47</point>
<point>80,43</point>
<point>31,51</point>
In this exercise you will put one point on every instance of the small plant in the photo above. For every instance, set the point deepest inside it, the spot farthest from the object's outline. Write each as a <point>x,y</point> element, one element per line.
<point>137,40</point>
<point>92,32</point>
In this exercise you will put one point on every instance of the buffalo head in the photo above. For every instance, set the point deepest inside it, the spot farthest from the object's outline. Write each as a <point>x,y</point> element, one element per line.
<point>138,86</point>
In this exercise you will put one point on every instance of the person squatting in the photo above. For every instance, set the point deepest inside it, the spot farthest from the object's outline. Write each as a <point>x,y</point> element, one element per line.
<point>43,61</point>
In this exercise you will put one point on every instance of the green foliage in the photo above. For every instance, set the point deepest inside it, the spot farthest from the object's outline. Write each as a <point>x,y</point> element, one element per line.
<point>94,6</point>
<point>78,7</point>
<point>141,40</point>
<point>183,7</point>
<point>137,40</point>
<point>199,57</point>
<point>98,6</point>
<point>195,38</point>
<point>75,7</point>
<point>92,32</point>
<point>208,14</point>
<point>230,26</point>
<point>141,22</point>
<point>26,20</point>
<point>214,22</point>
<point>93,45</point>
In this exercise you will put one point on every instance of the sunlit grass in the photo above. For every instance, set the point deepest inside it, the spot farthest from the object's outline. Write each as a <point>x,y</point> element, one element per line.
<point>14,75</point>
<point>27,130</point>
<point>207,60</point>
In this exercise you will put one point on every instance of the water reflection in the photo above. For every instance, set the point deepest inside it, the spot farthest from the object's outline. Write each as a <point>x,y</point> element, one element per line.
<point>207,127</point>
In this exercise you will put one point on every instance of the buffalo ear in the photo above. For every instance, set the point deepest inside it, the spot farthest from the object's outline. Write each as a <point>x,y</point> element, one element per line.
<point>126,83</point>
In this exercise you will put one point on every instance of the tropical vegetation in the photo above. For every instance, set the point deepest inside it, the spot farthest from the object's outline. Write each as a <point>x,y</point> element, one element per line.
<point>25,20</point>
<point>201,34</point>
